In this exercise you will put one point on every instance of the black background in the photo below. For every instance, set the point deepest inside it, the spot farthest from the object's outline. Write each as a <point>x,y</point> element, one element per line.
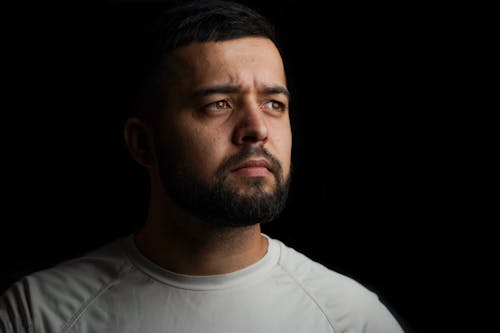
<point>377,191</point>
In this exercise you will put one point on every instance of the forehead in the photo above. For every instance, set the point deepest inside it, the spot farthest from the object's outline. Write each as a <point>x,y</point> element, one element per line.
<point>249,61</point>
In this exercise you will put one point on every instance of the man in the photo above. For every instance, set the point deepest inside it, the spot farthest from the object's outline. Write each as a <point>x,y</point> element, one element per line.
<point>214,134</point>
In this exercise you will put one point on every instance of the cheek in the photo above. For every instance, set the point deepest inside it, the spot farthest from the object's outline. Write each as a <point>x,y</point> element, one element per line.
<point>283,143</point>
<point>199,149</point>
<point>287,157</point>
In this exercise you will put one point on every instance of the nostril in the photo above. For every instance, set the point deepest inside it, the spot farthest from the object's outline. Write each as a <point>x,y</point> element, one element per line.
<point>250,138</point>
<point>250,135</point>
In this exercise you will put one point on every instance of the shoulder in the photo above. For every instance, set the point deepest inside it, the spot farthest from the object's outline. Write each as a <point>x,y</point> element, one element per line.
<point>348,305</point>
<point>54,296</point>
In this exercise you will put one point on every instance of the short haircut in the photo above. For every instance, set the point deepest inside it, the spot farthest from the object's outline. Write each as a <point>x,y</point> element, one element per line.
<point>180,25</point>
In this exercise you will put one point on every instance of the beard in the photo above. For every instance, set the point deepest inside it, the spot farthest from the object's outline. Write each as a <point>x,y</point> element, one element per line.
<point>223,203</point>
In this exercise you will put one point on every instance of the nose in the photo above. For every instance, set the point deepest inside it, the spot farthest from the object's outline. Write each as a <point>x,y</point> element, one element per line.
<point>251,126</point>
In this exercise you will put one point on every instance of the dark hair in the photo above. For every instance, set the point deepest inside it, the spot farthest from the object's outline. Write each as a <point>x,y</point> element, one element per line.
<point>210,20</point>
<point>185,23</point>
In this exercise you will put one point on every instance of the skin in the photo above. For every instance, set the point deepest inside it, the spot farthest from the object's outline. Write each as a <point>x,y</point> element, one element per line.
<point>204,127</point>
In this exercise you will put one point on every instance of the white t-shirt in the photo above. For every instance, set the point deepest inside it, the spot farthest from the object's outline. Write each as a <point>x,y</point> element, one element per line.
<point>117,289</point>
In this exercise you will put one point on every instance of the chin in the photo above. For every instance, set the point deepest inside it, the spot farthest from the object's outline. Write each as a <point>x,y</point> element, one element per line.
<point>254,184</point>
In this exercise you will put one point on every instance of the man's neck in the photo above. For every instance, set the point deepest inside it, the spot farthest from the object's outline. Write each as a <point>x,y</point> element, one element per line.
<point>189,246</point>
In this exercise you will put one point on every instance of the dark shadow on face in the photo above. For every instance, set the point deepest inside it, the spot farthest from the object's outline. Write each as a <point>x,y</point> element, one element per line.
<point>221,203</point>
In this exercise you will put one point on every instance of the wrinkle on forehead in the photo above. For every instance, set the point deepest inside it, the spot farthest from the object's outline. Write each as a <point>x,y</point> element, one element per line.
<point>248,62</point>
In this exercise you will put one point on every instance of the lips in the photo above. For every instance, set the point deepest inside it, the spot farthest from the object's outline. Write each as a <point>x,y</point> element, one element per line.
<point>253,164</point>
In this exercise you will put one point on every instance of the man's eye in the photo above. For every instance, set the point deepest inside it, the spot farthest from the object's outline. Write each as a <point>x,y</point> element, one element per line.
<point>218,106</point>
<point>275,106</point>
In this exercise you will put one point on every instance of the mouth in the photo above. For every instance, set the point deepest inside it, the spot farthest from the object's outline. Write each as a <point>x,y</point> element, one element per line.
<point>253,168</point>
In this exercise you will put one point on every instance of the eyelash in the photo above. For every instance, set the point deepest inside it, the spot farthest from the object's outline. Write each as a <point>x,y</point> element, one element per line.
<point>214,106</point>
<point>282,106</point>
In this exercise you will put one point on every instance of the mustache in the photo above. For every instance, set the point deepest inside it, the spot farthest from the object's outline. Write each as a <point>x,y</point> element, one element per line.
<point>246,153</point>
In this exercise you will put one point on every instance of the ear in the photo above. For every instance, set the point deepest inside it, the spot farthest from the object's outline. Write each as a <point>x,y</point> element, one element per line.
<point>138,137</point>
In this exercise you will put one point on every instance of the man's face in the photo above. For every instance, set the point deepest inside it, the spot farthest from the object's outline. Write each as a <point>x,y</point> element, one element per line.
<point>224,139</point>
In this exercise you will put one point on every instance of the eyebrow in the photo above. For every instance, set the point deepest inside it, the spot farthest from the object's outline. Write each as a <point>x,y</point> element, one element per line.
<point>231,89</point>
<point>277,89</point>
